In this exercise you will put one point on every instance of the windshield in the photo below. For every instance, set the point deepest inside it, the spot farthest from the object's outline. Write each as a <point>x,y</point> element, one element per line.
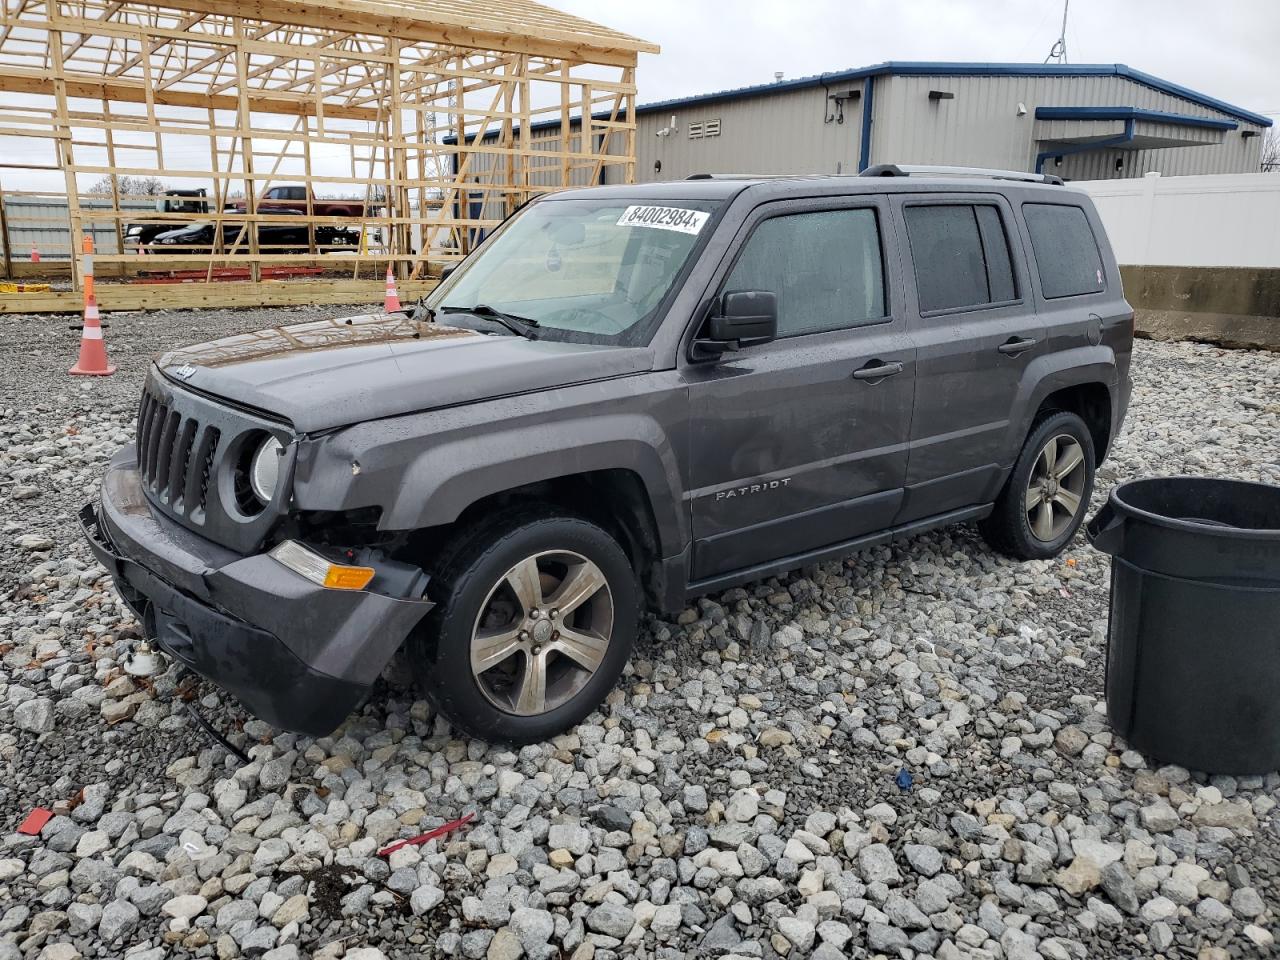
<point>587,270</point>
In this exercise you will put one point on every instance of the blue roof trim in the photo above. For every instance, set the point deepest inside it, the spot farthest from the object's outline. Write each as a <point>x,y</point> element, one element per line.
<point>1132,113</point>
<point>945,69</point>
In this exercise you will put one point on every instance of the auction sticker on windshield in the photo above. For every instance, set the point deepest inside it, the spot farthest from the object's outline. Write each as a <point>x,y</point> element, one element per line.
<point>664,218</point>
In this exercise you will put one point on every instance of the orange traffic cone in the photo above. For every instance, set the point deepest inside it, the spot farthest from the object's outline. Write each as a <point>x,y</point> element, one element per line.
<point>35,254</point>
<point>392,302</point>
<point>93,349</point>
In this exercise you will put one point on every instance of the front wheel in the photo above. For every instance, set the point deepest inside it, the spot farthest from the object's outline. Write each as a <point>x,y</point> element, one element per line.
<point>1045,498</point>
<point>535,618</point>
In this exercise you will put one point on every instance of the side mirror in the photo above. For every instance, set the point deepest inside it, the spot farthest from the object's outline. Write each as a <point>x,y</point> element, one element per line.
<point>741,318</point>
<point>745,317</point>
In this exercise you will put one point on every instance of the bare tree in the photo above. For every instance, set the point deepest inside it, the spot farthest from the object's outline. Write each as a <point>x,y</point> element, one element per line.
<point>129,186</point>
<point>1271,151</point>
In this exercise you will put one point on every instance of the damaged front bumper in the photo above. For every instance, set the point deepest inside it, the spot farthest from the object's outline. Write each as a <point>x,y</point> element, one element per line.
<point>298,655</point>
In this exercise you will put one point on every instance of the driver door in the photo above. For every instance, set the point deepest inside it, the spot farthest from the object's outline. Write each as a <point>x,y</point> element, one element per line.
<point>801,443</point>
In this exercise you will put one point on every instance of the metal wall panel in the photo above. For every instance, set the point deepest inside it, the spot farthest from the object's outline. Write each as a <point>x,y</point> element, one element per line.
<point>786,132</point>
<point>981,126</point>
<point>42,222</point>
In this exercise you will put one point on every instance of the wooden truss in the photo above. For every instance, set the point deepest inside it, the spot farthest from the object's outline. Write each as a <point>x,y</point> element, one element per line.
<point>435,117</point>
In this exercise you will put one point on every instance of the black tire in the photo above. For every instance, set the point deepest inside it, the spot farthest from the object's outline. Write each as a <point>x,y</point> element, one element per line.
<point>1008,529</point>
<point>467,570</point>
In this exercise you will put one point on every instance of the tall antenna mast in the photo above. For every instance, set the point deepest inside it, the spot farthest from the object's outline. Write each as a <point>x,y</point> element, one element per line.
<point>1058,52</point>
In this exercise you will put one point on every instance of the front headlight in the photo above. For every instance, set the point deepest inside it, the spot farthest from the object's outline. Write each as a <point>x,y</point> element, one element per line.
<point>264,469</point>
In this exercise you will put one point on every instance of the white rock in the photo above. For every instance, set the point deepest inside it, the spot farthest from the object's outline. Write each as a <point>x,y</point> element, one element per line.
<point>742,806</point>
<point>34,716</point>
<point>188,906</point>
<point>1158,908</point>
<point>666,921</point>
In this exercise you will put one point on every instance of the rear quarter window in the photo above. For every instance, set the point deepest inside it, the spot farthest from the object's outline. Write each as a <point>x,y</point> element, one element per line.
<point>1066,251</point>
<point>960,253</point>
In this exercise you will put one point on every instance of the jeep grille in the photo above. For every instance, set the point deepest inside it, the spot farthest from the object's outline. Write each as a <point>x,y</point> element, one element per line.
<point>184,444</point>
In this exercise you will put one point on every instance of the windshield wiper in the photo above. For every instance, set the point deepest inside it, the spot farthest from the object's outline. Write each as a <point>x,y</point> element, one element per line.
<point>421,313</point>
<point>524,326</point>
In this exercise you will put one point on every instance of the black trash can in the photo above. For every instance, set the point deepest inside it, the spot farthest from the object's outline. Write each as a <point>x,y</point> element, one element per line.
<point>1193,654</point>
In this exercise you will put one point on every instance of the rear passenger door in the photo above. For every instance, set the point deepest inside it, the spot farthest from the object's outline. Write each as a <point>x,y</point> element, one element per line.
<point>975,329</point>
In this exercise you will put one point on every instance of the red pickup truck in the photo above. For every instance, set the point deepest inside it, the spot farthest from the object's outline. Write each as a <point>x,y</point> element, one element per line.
<point>291,197</point>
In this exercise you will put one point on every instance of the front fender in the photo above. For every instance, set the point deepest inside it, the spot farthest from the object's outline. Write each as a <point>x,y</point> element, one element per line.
<point>424,470</point>
<point>448,477</point>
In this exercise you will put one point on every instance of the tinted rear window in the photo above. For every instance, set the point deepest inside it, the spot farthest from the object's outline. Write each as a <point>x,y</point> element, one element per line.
<point>1067,256</point>
<point>961,255</point>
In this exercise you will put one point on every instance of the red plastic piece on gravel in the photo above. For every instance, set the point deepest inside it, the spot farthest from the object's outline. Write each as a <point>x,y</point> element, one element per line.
<point>428,836</point>
<point>35,821</point>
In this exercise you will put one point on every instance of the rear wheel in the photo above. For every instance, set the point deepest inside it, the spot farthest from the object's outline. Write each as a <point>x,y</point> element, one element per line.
<point>536,616</point>
<point>1045,499</point>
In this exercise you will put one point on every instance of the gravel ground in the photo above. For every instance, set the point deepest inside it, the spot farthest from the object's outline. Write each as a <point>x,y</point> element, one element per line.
<point>736,795</point>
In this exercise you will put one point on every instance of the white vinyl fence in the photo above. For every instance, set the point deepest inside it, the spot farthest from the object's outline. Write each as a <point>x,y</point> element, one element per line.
<point>1220,220</point>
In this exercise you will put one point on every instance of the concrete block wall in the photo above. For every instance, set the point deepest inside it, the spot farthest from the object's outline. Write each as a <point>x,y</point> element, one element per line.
<point>1227,306</point>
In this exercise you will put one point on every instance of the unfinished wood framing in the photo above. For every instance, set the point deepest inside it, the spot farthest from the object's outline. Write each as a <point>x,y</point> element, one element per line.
<point>414,125</point>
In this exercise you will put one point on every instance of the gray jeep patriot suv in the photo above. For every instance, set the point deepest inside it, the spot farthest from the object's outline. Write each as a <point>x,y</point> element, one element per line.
<point>625,397</point>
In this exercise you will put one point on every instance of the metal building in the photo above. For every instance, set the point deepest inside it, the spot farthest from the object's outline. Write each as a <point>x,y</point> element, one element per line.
<point>1079,121</point>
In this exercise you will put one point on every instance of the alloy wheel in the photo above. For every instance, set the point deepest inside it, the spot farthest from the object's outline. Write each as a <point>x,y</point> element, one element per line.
<point>1056,489</point>
<point>542,632</point>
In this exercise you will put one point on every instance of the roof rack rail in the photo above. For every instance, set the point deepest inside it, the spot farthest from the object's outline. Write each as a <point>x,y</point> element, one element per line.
<point>741,176</point>
<point>908,170</point>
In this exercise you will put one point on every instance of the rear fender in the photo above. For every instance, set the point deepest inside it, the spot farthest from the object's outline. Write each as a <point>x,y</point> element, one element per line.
<point>1049,374</point>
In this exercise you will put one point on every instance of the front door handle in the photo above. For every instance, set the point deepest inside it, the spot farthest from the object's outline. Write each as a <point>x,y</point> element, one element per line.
<point>876,370</point>
<point>1012,348</point>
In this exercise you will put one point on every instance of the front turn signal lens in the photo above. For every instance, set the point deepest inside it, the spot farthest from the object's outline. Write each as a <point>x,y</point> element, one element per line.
<point>319,570</point>
<point>347,578</point>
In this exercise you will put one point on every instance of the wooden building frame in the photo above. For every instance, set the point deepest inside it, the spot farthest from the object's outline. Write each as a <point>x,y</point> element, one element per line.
<point>391,103</point>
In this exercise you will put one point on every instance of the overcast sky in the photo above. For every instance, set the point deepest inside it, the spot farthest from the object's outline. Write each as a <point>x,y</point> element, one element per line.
<point>1225,49</point>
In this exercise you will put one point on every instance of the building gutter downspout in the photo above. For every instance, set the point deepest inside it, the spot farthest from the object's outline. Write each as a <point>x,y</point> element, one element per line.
<point>1118,140</point>
<point>868,101</point>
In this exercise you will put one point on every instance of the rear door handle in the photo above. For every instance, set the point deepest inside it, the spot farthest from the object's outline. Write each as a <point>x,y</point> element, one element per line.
<point>1012,348</point>
<point>875,370</point>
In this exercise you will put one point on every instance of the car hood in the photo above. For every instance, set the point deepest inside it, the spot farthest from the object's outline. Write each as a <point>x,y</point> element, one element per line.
<point>330,373</point>
<point>191,231</point>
